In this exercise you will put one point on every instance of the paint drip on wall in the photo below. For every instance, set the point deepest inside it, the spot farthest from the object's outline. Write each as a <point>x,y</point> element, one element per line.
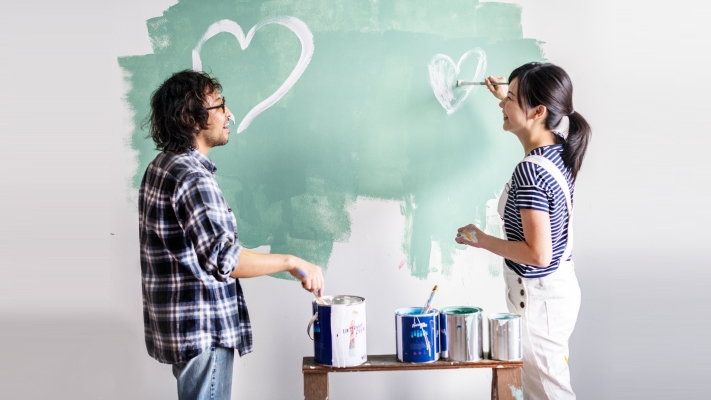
<point>357,116</point>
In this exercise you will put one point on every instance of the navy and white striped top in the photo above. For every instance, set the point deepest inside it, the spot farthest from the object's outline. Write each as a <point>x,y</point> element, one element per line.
<point>532,187</point>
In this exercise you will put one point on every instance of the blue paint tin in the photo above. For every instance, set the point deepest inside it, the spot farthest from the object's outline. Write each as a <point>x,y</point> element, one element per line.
<point>444,347</point>
<point>339,331</point>
<point>417,335</point>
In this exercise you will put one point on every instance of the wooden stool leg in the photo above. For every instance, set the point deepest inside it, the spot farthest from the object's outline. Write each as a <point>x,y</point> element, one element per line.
<point>316,386</point>
<point>506,384</point>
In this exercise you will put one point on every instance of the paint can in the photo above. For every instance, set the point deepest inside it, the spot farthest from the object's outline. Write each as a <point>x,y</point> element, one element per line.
<point>417,335</point>
<point>339,331</point>
<point>505,337</point>
<point>461,333</point>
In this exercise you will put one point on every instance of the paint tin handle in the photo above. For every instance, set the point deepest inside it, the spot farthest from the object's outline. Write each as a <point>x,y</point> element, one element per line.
<point>308,328</point>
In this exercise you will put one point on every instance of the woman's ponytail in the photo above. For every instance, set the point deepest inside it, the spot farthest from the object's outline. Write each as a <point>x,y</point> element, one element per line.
<point>576,143</point>
<point>549,85</point>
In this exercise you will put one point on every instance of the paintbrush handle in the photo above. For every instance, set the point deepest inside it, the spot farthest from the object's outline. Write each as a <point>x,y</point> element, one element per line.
<point>424,308</point>
<point>428,304</point>
<point>464,83</point>
<point>319,299</point>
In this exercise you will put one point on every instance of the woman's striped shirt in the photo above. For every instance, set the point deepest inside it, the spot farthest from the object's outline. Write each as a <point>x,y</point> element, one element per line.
<point>532,187</point>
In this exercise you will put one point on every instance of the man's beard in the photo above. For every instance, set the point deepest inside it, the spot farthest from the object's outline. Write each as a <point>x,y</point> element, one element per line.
<point>214,142</point>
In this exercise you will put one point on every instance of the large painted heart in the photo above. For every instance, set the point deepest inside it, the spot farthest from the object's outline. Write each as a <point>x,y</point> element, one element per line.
<point>444,74</point>
<point>307,51</point>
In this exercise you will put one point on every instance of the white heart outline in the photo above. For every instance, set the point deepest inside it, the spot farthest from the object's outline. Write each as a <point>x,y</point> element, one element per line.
<point>443,81</point>
<point>307,51</point>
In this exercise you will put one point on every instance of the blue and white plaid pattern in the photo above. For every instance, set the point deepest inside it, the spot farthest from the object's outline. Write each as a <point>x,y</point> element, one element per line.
<point>189,247</point>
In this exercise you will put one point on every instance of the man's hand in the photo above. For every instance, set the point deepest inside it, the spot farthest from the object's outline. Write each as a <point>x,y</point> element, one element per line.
<point>310,275</point>
<point>253,264</point>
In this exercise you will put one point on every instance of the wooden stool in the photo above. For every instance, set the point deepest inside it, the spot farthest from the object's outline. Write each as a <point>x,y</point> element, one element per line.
<point>505,375</point>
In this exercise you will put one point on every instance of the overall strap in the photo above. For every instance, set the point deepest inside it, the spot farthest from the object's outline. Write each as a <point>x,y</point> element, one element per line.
<point>553,170</point>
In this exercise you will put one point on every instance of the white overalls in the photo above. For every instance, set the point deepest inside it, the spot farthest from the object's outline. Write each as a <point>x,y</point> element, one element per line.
<point>549,308</point>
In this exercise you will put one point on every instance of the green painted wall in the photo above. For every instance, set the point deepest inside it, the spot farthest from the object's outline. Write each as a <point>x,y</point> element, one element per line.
<point>361,121</point>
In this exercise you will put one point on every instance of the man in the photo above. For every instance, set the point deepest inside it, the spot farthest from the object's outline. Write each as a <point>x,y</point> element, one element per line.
<point>193,306</point>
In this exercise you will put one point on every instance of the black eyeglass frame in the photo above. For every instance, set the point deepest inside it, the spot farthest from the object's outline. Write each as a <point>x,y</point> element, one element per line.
<point>218,106</point>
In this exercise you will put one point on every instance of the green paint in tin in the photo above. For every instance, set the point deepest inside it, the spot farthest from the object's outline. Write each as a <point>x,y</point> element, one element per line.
<point>505,316</point>
<point>460,310</point>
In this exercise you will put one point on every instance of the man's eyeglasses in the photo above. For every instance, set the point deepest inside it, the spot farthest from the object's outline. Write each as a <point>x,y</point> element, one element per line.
<point>222,106</point>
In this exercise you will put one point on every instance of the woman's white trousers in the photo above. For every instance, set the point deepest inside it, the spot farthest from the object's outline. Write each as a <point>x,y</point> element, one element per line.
<point>549,308</point>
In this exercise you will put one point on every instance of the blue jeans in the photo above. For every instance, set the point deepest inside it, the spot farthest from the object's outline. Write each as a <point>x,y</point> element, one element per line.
<point>207,376</point>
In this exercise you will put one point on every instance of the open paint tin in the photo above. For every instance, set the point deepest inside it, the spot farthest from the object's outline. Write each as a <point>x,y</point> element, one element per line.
<point>461,333</point>
<point>417,335</point>
<point>339,331</point>
<point>505,337</point>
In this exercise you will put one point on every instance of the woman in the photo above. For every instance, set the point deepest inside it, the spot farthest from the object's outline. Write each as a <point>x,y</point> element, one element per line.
<point>536,207</point>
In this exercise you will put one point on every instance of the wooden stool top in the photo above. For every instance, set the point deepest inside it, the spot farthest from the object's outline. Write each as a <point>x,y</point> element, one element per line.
<point>389,362</point>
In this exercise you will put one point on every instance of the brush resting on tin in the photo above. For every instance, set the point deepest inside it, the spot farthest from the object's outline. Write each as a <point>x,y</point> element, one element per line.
<point>428,304</point>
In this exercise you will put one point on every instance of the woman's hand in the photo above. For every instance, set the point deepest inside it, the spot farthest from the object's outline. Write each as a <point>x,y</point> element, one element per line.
<point>499,91</point>
<point>470,235</point>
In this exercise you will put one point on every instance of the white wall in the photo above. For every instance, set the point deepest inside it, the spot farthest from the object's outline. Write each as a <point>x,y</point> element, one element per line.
<point>70,314</point>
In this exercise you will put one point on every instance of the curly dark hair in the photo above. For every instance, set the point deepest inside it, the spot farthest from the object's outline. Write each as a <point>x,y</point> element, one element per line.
<point>178,110</point>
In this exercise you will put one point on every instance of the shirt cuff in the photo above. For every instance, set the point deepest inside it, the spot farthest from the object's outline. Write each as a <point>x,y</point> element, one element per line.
<point>225,256</point>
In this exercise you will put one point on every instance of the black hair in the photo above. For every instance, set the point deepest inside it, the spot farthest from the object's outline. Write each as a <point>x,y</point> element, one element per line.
<point>178,110</point>
<point>549,85</point>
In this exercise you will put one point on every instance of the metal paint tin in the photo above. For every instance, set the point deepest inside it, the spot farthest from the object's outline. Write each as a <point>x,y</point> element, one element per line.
<point>417,335</point>
<point>339,331</point>
<point>461,333</point>
<point>505,337</point>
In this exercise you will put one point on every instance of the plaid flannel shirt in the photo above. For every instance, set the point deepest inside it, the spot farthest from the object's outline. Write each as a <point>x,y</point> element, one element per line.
<point>189,247</point>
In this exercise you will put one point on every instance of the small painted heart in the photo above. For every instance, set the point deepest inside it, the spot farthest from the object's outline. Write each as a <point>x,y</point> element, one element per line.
<point>307,51</point>
<point>443,79</point>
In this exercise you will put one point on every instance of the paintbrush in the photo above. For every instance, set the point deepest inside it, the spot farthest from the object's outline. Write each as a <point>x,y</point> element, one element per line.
<point>319,299</point>
<point>465,233</point>
<point>463,83</point>
<point>428,304</point>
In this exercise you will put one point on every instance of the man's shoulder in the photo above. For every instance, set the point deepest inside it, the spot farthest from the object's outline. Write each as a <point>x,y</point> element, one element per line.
<point>175,165</point>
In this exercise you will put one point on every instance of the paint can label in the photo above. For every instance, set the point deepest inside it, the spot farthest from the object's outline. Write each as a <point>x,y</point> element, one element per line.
<point>417,336</point>
<point>348,335</point>
<point>340,333</point>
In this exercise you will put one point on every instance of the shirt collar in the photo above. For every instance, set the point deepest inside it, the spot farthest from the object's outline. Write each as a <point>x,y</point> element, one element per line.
<point>206,162</point>
<point>540,150</point>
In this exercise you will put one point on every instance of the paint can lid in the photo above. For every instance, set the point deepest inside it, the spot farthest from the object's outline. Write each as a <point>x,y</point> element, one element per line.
<point>342,300</point>
<point>504,316</point>
<point>415,312</point>
<point>461,310</point>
